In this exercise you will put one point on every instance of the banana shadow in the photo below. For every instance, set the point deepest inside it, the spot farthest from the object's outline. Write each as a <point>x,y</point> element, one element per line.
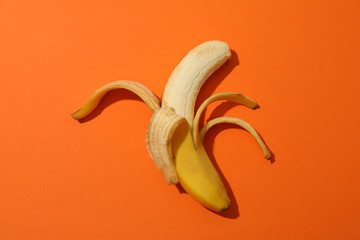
<point>233,210</point>
<point>216,78</point>
<point>207,90</point>
<point>214,81</point>
<point>110,98</point>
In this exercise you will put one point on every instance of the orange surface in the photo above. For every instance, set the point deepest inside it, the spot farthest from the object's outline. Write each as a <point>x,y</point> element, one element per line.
<point>60,179</point>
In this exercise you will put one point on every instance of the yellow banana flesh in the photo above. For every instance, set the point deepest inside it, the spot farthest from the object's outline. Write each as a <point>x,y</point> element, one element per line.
<point>171,145</point>
<point>196,173</point>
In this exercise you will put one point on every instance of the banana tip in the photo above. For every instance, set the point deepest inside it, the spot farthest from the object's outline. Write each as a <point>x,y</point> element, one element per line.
<point>256,106</point>
<point>268,156</point>
<point>75,116</point>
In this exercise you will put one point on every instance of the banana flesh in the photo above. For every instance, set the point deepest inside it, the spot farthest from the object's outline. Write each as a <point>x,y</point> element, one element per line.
<point>173,138</point>
<point>185,81</point>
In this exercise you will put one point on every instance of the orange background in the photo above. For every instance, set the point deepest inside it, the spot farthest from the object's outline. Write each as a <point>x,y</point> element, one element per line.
<point>60,179</point>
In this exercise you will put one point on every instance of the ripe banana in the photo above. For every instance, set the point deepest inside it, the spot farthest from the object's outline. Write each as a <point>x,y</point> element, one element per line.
<point>173,137</point>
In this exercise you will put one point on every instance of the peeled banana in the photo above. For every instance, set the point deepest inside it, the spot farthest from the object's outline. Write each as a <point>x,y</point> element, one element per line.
<point>173,137</point>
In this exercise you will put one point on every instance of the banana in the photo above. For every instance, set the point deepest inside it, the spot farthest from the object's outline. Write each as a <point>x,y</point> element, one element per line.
<point>173,137</point>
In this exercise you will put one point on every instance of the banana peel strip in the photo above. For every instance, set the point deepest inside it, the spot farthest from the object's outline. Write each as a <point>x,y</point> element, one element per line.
<point>159,135</point>
<point>229,96</point>
<point>143,92</point>
<point>240,123</point>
